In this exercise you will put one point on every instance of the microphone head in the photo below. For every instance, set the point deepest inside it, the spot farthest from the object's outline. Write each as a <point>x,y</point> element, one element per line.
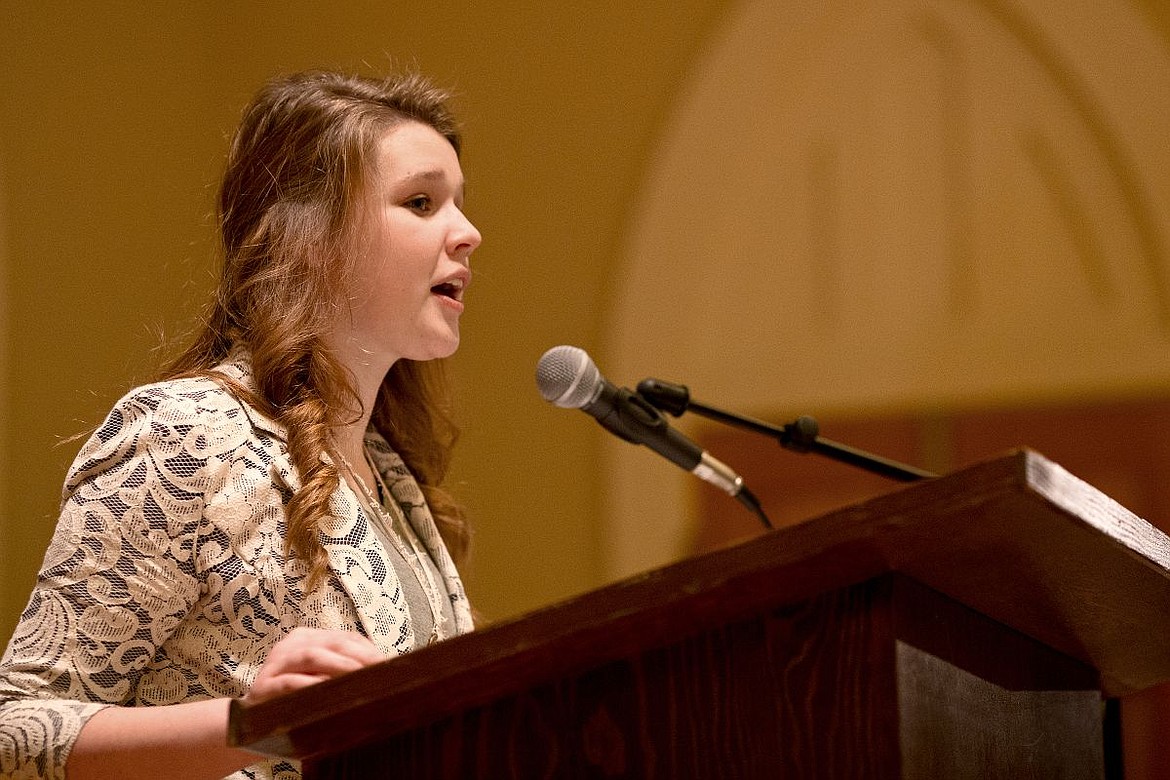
<point>567,377</point>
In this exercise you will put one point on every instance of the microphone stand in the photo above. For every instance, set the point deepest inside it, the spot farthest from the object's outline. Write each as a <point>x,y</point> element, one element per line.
<point>799,436</point>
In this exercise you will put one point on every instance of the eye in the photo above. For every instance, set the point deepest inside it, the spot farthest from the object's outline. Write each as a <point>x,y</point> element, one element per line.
<point>420,204</point>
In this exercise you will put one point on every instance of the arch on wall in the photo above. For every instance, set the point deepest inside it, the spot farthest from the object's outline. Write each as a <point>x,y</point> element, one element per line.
<point>861,207</point>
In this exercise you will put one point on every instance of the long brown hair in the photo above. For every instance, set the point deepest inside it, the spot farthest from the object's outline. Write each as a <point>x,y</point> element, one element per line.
<point>288,206</point>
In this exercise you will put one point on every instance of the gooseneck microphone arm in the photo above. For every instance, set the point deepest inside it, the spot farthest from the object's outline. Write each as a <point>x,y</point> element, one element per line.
<point>799,436</point>
<point>568,377</point>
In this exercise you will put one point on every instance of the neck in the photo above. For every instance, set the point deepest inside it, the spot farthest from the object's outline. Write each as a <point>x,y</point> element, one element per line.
<point>349,438</point>
<point>349,441</point>
<point>367,372</point>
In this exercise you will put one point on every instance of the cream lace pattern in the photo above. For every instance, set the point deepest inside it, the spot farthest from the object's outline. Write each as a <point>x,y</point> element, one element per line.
<point>166,579</point>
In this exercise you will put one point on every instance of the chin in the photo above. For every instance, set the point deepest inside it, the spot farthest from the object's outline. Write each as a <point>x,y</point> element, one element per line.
<point>439,350</point>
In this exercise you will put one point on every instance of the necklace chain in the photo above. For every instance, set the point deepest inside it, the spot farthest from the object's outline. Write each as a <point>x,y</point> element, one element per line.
<point>413,556</point>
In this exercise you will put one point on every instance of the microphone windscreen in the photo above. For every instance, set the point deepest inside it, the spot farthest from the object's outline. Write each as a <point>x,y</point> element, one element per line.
<point>567,377</point>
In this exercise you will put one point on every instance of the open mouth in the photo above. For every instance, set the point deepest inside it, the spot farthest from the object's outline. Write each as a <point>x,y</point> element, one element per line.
<point>452,289</point>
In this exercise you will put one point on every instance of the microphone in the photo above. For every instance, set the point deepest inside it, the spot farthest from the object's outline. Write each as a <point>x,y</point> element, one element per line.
<point>567,377</point>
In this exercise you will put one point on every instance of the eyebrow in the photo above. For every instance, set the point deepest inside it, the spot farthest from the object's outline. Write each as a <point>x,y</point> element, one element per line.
<point>431,175</point>
<point>428,174</point>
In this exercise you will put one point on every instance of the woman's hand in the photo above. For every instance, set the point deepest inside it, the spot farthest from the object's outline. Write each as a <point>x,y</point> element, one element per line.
<point>189,741</point>
<point>310,655</point>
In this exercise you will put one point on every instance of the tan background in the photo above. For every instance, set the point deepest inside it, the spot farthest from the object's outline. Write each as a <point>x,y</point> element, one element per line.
<point>112,133</point>
<point>762,199</point>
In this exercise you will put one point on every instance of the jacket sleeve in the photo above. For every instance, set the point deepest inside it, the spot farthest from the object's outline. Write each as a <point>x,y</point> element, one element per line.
<point>118,576</point>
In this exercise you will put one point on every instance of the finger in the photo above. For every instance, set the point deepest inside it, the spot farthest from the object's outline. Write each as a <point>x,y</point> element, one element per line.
<point>351,643</point>
<point>316,660</point>
<point>280,685</point>
<point>321,653</point>
<point>345,643</point>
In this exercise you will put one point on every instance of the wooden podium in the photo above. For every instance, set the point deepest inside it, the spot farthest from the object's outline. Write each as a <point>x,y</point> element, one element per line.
<point>965,627</point>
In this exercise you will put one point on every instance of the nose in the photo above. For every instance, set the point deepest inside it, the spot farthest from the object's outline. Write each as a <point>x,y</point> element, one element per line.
<point>463,238</point>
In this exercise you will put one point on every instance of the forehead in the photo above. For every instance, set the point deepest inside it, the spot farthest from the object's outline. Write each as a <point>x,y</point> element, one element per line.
<point>414,150</point>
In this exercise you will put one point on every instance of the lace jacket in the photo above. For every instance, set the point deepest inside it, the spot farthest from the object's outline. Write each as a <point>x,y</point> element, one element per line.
<point>166,579</point>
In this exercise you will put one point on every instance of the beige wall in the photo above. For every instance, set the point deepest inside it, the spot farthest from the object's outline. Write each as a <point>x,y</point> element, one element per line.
<point>112,129</point>
<point>896,205</point>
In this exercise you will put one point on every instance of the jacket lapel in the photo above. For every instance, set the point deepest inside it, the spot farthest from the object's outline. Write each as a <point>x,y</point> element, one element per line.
<point>362,572</point>
<point>367,576</point>
<point>407,493</point>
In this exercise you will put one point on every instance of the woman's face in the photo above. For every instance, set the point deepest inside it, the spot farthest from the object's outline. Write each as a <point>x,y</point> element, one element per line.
<point>412,267</point>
